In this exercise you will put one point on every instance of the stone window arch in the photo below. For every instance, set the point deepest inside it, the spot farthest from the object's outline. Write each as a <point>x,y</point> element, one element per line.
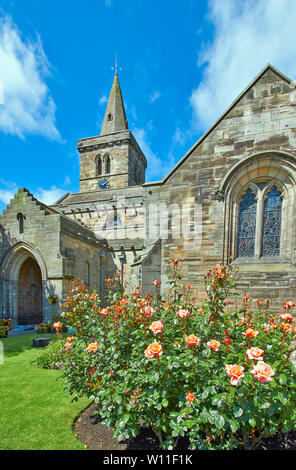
<point>98,162</point>
<point>107,163</point>
<point>259,209</point>
<point>20,217</point>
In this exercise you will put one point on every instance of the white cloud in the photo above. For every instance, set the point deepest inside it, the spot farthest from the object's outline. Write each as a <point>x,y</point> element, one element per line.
<point>28,107</point>
<point>49,196</point>
<point>248,35</point>
<point>7,191</point>
<point>154,96</point>
<point>67,180</point>
<point>156,168</point>
<point>103,100</point>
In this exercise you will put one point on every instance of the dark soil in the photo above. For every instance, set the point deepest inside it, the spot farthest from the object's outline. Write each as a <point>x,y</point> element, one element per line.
<point>99,437</point>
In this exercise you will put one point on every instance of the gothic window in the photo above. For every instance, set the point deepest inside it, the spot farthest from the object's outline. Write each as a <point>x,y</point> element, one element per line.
<point>272,219</point>
<point>110,117</point>
<point>107,164</point>
<point>99,165</point>
<point>20,217</point>
<point>259,221</point>
<point>247,224</point>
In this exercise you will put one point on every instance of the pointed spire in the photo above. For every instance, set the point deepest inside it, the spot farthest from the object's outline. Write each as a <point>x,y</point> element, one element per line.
<point>115,118</point>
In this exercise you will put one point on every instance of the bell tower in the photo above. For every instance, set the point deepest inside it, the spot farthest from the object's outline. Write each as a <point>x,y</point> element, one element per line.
<point>112,160</point>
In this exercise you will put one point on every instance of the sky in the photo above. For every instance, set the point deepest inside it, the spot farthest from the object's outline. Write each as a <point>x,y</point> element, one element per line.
<point>181,64</point>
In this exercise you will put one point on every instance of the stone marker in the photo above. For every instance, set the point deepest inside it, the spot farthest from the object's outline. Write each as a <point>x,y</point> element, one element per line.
<point>40,342</point>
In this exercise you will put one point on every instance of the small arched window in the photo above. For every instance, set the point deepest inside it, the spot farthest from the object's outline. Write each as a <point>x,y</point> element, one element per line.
<point>107,164</point>
<point>99,165</point>
<point>20,217</point>
<point>110,117</point>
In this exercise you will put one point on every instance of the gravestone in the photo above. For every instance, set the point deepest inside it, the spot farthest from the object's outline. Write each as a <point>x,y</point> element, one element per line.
<point>40,342</point>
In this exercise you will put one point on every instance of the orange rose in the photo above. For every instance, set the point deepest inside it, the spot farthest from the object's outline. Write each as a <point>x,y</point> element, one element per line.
<point>68,346</point>
<point>154,349</point>
<point>213,344</point>
<point>70,339</point>
<point>286,326</point>
<point>156,326</point>
<point>57,325</point>
<point>287,317</point>
<point>92,347</point>
<point>251,333</point>
<point>183,313</point>
<point>263,372</point>
<point>192,340</point>
<point>255,353</point>
<point>105,311</point>
<point>235,372</point>
<point>147,311</point>
<point>190,396</point>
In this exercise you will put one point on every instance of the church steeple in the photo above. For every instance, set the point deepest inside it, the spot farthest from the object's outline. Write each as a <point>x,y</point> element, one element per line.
<point>115,117</point>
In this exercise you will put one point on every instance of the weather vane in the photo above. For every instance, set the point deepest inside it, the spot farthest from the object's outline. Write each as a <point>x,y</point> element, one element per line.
<point>116,66</point>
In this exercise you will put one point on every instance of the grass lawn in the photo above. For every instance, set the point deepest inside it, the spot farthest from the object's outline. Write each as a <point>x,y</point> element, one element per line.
<point>35,412</point>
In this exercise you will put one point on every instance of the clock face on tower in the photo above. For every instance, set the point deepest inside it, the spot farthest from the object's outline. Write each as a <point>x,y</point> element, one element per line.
<point>104,183</point>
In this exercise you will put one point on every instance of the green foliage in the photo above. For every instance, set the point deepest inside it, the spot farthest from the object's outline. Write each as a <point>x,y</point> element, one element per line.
<point>162,362</point>
<point>51,357</point>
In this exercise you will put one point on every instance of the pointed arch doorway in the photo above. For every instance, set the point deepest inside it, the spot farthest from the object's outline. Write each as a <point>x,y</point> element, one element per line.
<point>29,293</point>
<point>24,273</point>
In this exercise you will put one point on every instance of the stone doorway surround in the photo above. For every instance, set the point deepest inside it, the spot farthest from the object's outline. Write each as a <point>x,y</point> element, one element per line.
<point>10,271</point>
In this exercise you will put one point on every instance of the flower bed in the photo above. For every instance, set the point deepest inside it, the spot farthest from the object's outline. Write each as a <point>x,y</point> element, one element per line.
<point>218,375</point>
<point>5,326</point>
<point>50,328</point>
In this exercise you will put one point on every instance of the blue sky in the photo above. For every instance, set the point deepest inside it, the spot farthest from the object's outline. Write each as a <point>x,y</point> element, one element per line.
<point>183,63</point>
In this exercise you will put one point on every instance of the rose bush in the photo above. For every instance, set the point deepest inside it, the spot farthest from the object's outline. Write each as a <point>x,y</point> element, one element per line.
<point>220,375</point>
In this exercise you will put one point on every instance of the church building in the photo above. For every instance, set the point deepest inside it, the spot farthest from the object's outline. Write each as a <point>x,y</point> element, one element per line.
<point>230,198</point>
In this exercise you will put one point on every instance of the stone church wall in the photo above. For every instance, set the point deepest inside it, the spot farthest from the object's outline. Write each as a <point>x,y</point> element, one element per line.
<point>261,127</point>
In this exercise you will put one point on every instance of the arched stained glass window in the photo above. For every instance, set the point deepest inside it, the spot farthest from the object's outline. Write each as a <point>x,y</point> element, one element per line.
<point>247,224</point>
<point>272,219</point>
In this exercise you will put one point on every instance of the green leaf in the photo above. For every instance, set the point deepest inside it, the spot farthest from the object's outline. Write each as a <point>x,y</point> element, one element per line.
<point>252,422</point>
<point>238,412</point>
<point>234,425</point>
<point>282,379</point>
<point>219,422</point>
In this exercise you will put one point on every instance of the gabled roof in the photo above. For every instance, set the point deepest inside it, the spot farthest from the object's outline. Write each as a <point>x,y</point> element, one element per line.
<point>288,80</point>
<point>67,223</point>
